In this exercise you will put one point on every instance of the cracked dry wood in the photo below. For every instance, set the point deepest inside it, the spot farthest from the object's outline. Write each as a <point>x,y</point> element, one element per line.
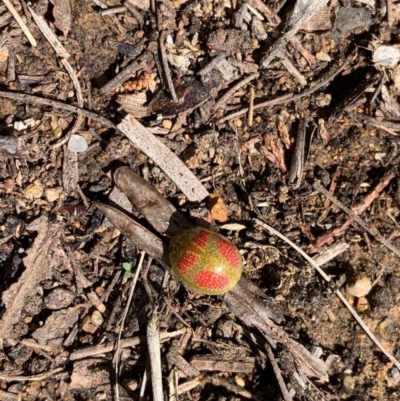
<point>42,257</point>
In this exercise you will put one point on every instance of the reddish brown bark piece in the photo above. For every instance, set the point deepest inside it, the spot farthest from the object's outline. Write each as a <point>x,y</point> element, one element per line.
<point>160,213</point>
<point>136,233</point>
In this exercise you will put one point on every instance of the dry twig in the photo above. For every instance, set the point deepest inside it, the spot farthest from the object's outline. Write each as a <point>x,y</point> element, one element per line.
<point>289,97</point>
<point>21,23</point>
<point>121,328</point>
<point>153,345</point>
<point>49,34</point>
<point>35,378</point>
<point>234,89</point>
<point>167,71</point>
<point>354,215</point>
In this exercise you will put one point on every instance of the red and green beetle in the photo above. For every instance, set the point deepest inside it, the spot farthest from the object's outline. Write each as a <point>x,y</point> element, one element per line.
<point>205,262</point>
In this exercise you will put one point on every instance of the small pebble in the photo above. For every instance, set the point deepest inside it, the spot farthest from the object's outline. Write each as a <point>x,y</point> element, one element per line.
<point>59,298</point>
<point>88,326</point>
<point>349,382</point>
<point>131,384</point>
<point>9,184</point>
<point>322,56</point>
<point>57,132</point>
<point>97,318</point>
<point>395,373</point>
<point>53,194</point>
<point>77,144</point>
<point>316,351</point>
<point>359,287</point>
<point>167,124</point>
<point>239,381</point>
<point>386,56</point>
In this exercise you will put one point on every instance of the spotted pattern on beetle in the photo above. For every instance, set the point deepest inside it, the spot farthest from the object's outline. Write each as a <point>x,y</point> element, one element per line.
<point>187,261</point>
<point>210,279</point>
<point>229,253</point>
<point>201,240</point>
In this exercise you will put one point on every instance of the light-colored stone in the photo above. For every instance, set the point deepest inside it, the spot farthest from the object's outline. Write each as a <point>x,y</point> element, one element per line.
<point>359,287</point>
<point>53,194</point>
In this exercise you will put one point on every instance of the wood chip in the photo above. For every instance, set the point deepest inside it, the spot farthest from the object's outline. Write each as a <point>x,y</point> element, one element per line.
<point>217,207</point>
<point>167,160</point>
<point>213,363</point>
<point>70,170</point>
<point>41,259</point>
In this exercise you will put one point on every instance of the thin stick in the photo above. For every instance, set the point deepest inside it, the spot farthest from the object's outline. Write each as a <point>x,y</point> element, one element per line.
<point>337,292</point>
<point>35,378</point>
<point>22,97</point>
<point>389,5</point>
<point>114,10</point>
<point>82,195</point>
<point>372,231</point>
<point>278,374</point>
<point>289,97</point>
<point>234,89</point>
<point>287,63</point>
<point>125,343</point>
<point>167,71</point>
<point>212,64</point>
<point>49,34</point>
<point>21,23</point>
<point>251,106</point>
<point>79,97</point>
<point>128,303</point>
<point>153,344</point>
<point>295,247</point>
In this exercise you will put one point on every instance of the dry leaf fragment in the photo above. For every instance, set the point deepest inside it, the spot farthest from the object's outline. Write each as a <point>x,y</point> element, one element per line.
<point>284,133</point>
<point>217,207</point>
<point>134,104</point>
<point>323,131</point>
<point>62,15</point>
<point>274,152</point>
<point>322,21</point>
<point>3,54</point>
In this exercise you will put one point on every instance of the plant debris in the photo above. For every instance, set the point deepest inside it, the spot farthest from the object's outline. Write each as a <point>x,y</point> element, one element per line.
<point>125,123</point>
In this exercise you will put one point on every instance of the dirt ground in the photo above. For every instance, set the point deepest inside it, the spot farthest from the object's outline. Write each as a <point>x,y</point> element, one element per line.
<point>236,112</point>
